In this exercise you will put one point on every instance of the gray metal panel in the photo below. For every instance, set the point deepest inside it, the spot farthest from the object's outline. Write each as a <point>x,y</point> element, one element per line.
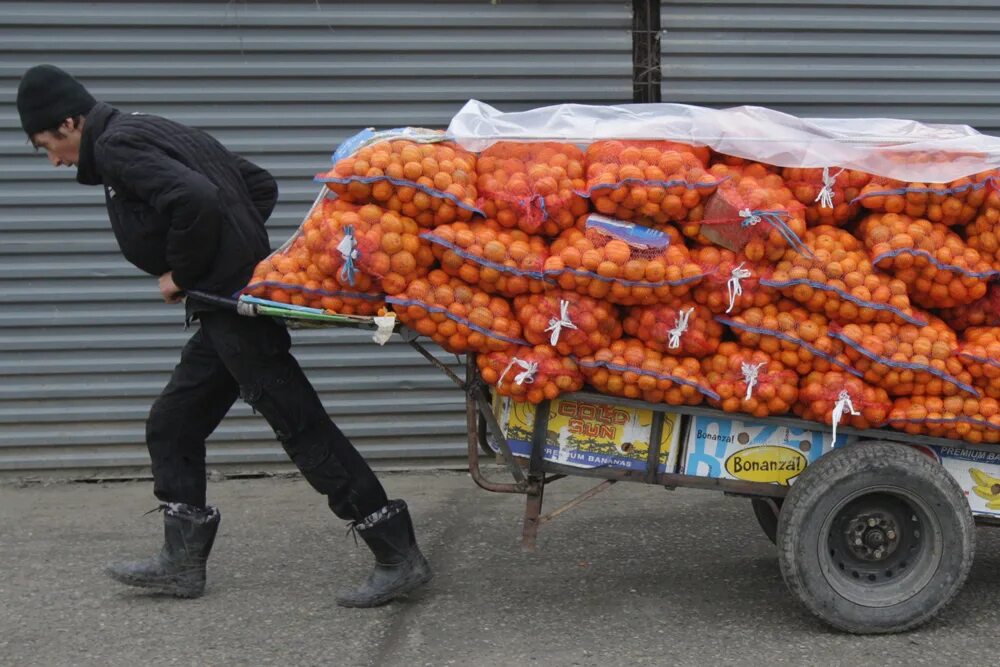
<point>84,345</point>
<point>931,61</point>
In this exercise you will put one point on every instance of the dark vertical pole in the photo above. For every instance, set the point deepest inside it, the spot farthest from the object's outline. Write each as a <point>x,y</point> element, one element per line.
<point>646,51</point>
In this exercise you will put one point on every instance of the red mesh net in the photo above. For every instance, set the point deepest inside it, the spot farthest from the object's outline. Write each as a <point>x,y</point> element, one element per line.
<point>731,283</point>
<point>648,181</point>
<point>622,262</point>
<point>681,328</point>
<point>532,186</point>
<point>975,420</point>
<point>835,397</point>
<point>837,279</point>
<point>570,322</point>
<point>828,193</point>
<point>628,368</point>
<point>532,374</point>
<point>750,381</point>
<point>499,260</point>
<point>457,316</point>
<point>907,360</point>
<point>433,183</point>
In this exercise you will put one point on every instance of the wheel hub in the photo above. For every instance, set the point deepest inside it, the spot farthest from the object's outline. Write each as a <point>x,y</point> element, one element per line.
<point>872,537</point>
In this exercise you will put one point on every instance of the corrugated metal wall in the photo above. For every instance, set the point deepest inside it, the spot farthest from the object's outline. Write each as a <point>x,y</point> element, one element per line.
<point>85,345</point>
<point>932,61</point>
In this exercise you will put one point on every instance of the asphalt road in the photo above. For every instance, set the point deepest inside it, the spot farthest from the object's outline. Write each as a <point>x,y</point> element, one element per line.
<point>637,576</point>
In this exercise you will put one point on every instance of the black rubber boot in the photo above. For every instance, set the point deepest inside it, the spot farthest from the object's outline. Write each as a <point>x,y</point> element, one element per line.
<point>179,568</point>
<point>399,565</point>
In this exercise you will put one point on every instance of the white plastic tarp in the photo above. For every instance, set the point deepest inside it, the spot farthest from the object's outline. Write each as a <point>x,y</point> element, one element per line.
<point>904,150</point>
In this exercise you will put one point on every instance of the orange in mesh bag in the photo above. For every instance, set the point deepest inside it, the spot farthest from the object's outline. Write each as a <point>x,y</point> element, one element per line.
<point>953,203</point>
<point>680,328</point>
<point>982,313</point>
<point>907,360</point>
<point>939,269</point>
<point>983,233</point>
<point>344,254</point>
<point>752,212</point>
<point>731,283</point>
<point>457,316</point>
<point>839,399</point>
<point>975,420</point>
<point>979,352</point>
<point>291,275</point>
<point>532,186</point>
<point>838,279</point>
<point>570,322</point>
<point>628,368</point>
<point>499,260</point>
<point>433,182</point>
<point>658,181</point>
<point>828,193</point>
<point>532,374</point>
<point>792,335</point>
<point>622,262</point>
<point>750,381</point>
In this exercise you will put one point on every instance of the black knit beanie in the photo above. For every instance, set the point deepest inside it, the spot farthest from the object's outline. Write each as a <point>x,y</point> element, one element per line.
<point>47,96</point>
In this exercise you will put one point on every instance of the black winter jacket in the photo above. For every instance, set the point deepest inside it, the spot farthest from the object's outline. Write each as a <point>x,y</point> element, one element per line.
<point>177,199</point>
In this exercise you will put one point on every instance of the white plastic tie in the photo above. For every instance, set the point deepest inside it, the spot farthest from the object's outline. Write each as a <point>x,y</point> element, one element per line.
<point>527,374</point>
<point>674,340</point>
<point>843,403</point>
<point>825,196</point>
<point>556,325</point>
<point>734,285</point>
<point>750,373</point>
<point>749,217</point>
<point>385,325</point>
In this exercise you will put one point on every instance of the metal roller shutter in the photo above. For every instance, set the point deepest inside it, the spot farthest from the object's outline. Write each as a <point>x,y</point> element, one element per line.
<point>84,344</point>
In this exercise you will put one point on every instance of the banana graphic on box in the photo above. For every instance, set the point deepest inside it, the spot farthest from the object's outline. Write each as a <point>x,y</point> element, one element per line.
<point>987,487</point>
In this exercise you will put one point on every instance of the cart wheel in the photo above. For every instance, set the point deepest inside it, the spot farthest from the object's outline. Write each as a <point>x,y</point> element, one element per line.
<point>875,538</point>
<point>766,510</point>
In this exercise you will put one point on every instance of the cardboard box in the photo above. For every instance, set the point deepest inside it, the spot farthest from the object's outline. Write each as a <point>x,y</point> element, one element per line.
<point>977,472</point>
<point>729,448</point>
<point>590,435</point>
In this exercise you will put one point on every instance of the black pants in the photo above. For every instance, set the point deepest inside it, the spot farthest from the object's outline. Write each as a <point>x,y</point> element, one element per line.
<point>234,356</point>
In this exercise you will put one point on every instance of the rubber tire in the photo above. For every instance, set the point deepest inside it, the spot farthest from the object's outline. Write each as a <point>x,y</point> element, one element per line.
<point>766,517</point>
<point>834,477</point>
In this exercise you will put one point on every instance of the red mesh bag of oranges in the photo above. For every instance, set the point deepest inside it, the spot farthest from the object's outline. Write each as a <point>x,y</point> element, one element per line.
<point>983,233</point>
<point>979,352</point>
<point>569,322</point>
<point>731,283</point>
<point>953,203</point>
<point>532,186</point>
<point>905,359</point>
<point>827,193</point>
<point>628,368</point>
<point>622,262</point>
<point>499,260</point>
<point>292,275</point>
<point>840,399</point>
<point>938,267</point>
<point>975,420</point>
<point>752,212</point>
<point>680,328</point>
<point>648,181</point>
<point>413,172</point>
<point>532,374</point>
<point>750,381</point>
<point>457,316</point>
<point>838,280</point>
<point>792,335</point>
<point>982,313</point>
